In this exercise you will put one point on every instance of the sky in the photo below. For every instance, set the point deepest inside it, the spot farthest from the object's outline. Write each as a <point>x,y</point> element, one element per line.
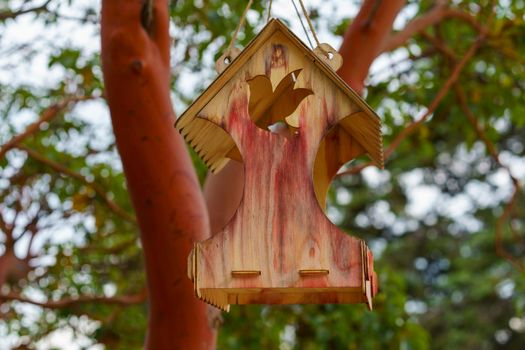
<point>39,41</point>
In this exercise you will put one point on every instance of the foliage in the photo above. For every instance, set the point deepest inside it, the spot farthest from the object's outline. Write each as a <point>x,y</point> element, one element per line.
<point>430,217</point>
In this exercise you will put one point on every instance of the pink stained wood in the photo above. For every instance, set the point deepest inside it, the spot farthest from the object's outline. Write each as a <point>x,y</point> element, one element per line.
<point>279,247</point>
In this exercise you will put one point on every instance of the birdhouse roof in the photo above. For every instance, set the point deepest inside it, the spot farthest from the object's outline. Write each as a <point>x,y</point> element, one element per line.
<point>189,123</point>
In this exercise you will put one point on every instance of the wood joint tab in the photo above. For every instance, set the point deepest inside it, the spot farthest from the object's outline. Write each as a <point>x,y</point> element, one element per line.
<point>246,273</point>
<point>313,272</point>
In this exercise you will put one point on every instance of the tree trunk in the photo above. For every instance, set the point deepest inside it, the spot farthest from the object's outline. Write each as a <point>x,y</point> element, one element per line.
<point>160,177</point>
<point>364,39</point>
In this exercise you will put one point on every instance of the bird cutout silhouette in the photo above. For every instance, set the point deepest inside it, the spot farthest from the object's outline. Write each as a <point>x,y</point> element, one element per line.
<point>279,247</point>
<point>269,109</point>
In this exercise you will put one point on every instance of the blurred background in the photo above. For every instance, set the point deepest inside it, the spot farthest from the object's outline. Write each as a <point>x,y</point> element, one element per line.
<point>445,219</point>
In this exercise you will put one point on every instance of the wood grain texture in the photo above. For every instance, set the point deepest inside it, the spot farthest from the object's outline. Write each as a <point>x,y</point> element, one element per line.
<point>279,247</point>
<point>188,126</point>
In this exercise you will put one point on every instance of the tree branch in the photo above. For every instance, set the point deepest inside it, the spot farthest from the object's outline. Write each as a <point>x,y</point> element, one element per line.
<point>115,249</point>
<point>66,171</point>
<point>500,224</point>
<point>437,100</point>
<point>364,39</point>
<point>408,130</point>
<point>3,225</point>
<point>438,44</point>
<point>13,14</point>
<point>85,299</point>
<point>493,152</point>
<point>418,25</point>
<point>491,148</point>
<point>48,114</point>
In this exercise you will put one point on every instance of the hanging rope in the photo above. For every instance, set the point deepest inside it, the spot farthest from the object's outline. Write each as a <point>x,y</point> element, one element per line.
<point>241,22</point>
<point>302,24</point>
<point>311,27</point>
<point>312,30</point>
<point>269,12</point>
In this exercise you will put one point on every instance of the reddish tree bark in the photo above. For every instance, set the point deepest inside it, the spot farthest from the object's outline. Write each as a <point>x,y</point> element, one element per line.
<point>160,177</point>
<point>365,38</point>
<point>12,268</point>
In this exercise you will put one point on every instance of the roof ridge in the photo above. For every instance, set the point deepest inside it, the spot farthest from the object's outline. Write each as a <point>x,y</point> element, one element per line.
<point>273,25</point>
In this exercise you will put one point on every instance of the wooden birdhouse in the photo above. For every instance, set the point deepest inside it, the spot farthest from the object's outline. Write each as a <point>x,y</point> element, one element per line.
<point>281,110</point>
